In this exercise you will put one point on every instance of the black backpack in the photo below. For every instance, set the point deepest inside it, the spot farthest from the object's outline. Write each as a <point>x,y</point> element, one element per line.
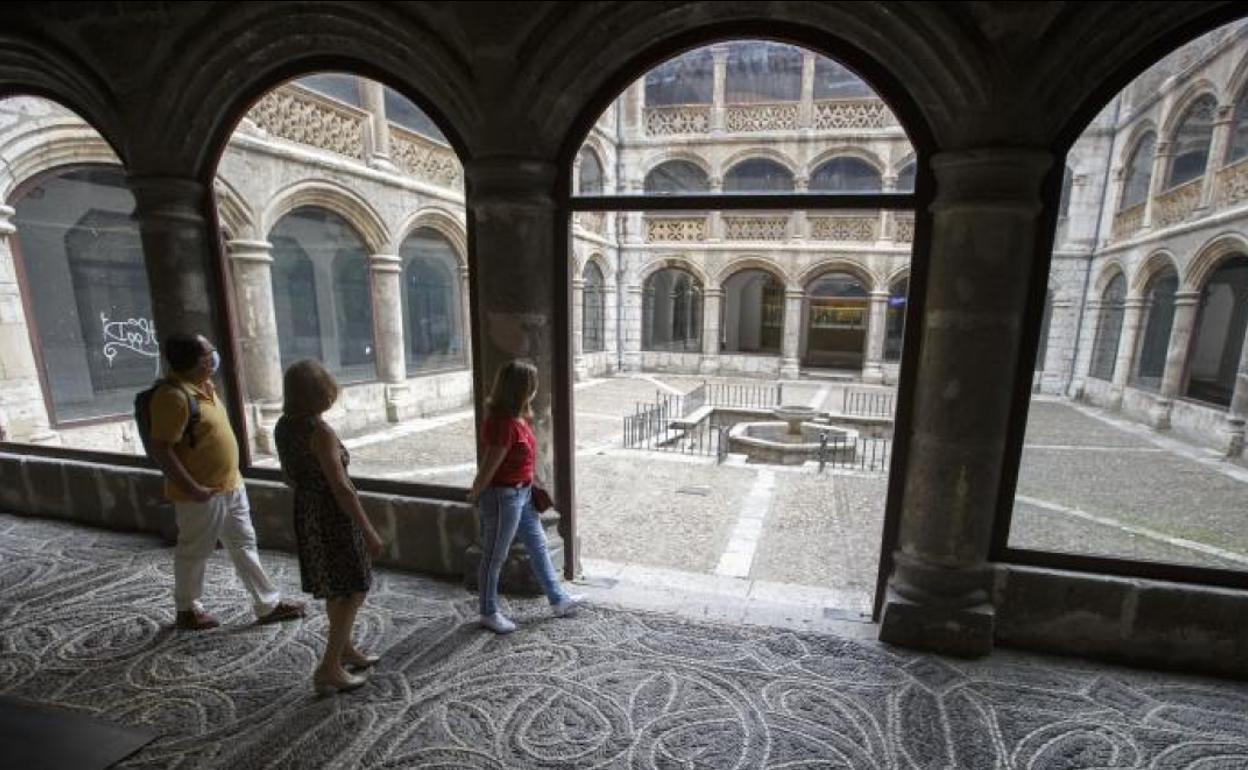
<point>143,413</point>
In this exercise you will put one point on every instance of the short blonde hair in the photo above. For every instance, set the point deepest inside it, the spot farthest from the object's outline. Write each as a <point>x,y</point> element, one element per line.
<point>308,388</point>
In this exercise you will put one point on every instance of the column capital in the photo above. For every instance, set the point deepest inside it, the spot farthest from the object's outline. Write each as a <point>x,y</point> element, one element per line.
<point>713,293</point>
<point>511,180</point>
<point>794,294</point>
<point>1001,178</point>
<point>1133,303</point>
<point>168,198</point>
<point>1186,298</point>
<point>6,220</point>
<point>879,295</point>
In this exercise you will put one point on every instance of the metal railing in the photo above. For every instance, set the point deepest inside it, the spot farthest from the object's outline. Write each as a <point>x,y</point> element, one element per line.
<point>744,396</point>
<point>652,427</point>
<point>868,454</point>
<point>868,403</point>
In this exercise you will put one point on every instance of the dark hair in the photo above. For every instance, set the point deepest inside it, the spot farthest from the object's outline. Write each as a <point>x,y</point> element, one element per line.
<point>183,351</point>
<point>308,389</point>
<point>514,386</point>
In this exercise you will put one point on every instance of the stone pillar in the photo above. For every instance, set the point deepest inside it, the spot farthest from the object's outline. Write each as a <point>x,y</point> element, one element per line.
<point>712,300</point>
<point>1128,341</point>
<point>611,325</point>
<point>23,411</point>
<point>1224,118</point>
<point>578,329</point>
<point>251,270</point>
<point>1156,182</point>
<point>790,366</point>
<point>715,225</point>
<point>985,216</point>
<point>719,77</point>
<point>888,184</point>
<point>181,265</point>
<point>873,369</point>
<point>1237,413</point>
<point>632,322</point>
<point>634,110</point>
<point>1185,304</point>
<point>513,207</point>
<point>806,103</point>
<point>374,98</point>
<point>1056,364</point>
<point>1085,339</point>
<point>799,224</point>
<point>387,270</point>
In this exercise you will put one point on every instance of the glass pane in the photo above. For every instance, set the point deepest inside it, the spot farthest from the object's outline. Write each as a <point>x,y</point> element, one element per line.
<point>686,79</point>
<point>344,88</point>
<point>594,310</point>
<point>1191,143</point>
<point>1238,149</point>
<point>1132,393</point>
<point>366,276</point>
<point>835,81</point>
<point>896,320</point>
<point>1221,326</point>
<point>763,72</point>
<point>905,179</point>
<point>846,175</point>
<point>401,111</point>
<point>676,176</point>
<point>758,175</point>
<point>591,174</point>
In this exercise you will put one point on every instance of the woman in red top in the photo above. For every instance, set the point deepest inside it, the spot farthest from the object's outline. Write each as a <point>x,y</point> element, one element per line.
<point>504,490</point>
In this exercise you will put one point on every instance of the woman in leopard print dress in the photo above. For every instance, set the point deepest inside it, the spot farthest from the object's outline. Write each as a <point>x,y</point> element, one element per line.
<point>335,538</point>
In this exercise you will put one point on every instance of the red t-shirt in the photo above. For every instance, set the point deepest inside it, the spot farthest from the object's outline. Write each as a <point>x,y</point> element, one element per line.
<point>514,433</point>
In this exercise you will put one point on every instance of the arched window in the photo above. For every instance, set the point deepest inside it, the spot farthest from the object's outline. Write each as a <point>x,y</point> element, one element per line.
<point>905,178</point>
<point>343,307</point>
<point>1139,172</point>
<point>762,72</point>
<point>1158,318</point>
<point>677,176</point>
<point>590,181</point>
<point>834,81</point>
<point>87,300</point>
<point>431,303</point>
<point>1237,146</point>
<point>846,175</point>
<point>1109,328</point>
<point>593,310</point>
<point>837,320</point>
<point>1191,142</point>
<point>758,175</point>
<point>672,311</point>
<point>687,79</point>
<point>895,319</point>
<point>1221,325</point>
<point>295,301</point>
<point>753,320</point>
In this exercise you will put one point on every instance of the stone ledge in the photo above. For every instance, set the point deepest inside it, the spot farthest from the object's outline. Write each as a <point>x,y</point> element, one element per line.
<point>1153,623</point>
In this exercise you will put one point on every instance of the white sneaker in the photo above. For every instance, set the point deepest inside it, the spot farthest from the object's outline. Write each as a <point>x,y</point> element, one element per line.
<point>568,607</point>
<point>498,623</point>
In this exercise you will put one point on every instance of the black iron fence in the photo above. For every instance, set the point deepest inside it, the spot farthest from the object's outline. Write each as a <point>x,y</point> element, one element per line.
<point>860,454</point>
<point>744,396</point>
<point>868,403</point>
<point>661,427</point>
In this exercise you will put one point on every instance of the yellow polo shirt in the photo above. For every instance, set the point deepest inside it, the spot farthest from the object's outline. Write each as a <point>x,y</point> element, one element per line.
<point>213,461</point>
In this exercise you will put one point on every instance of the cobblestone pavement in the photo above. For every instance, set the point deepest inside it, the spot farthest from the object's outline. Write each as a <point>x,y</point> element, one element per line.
<point>1086,485</point>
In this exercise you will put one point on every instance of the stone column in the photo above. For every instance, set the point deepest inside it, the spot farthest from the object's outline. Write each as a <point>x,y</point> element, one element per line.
<point>632,322</point>
<point>1056,364</point>
<point>719,77</point>
<point>387,270</point>
<point>983,246</point>
<point>251,268</point>
<point>611,325</point>
<point>514,211</point>
<point>712,300</point>
<point>23,411</point>
<point>1223,119</point>
<point>1156,182</point>
<point>888,184</point>
<point>799,223</point>
<point>181,265</point>
<point>1086,339</point>
<point>1237,413</point>
<point>634,110</point>
<point>578,329</point>
<point>374,98</point>
<point>873,369</point>
<point>1128,341</point>
<point>715,225</point>
<point>790,366</point>
<point>806,103</point>
<point>1185,304</point>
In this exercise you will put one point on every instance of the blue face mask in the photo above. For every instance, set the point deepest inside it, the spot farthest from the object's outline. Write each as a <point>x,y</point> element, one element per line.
<point>216,363</point>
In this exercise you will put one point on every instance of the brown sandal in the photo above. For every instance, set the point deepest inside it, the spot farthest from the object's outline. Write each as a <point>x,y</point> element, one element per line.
<point>285,610</point>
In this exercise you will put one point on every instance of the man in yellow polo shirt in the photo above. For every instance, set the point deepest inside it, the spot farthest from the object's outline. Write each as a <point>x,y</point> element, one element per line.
<point>204,484</point>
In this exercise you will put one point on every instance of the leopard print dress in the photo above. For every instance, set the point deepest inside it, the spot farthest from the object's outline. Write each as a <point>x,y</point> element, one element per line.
<point>333,559</point>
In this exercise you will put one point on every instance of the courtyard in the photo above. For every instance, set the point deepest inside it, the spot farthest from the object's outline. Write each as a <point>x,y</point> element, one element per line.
<point>1090,483</point>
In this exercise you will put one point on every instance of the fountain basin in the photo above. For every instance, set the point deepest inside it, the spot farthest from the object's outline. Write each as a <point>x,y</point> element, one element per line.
<point>772,442</point>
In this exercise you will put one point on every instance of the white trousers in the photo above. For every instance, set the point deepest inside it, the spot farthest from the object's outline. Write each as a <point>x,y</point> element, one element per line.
<point>225,517</point>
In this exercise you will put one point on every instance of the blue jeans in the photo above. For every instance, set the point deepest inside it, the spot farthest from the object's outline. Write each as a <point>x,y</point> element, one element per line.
<point>506,511</point>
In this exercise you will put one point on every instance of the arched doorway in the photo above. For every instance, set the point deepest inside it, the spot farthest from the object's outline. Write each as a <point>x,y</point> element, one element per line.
<point>836,322</point>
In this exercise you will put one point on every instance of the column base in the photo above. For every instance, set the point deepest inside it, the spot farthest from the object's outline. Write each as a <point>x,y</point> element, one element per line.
<point>631,362</point>
<point>517,576</point>
<point>708,364</point>
<point>789,369</point>
<point>267,414</point>
<point>945,629</point>
<point>580,371</point>
<point>873,373</point>
<point>1233,436</point>
<point>1159,414</point>
<point>398,401</point>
